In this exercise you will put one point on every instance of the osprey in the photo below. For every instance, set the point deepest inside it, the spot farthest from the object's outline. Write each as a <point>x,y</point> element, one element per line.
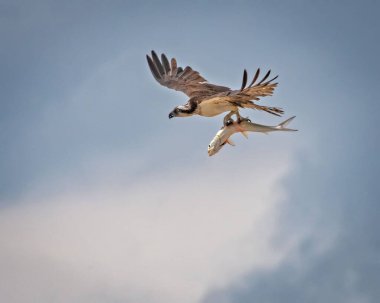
<point>208,99</point>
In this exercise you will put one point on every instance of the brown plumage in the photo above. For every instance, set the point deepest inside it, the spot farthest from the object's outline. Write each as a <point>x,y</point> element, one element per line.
<point>208,99</point>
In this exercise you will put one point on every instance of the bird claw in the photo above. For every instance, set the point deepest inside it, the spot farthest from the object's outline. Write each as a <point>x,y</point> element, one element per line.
<point>229,122</point>
<point>241,119</point>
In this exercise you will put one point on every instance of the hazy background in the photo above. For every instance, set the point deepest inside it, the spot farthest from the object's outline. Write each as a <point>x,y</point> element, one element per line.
<point>104,199</point>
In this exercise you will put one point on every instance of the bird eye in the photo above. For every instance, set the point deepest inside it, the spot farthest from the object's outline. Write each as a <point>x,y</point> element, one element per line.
<point>209,145</point>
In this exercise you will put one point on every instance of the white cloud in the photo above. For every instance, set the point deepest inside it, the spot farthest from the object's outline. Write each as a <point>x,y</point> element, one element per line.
<point>166,237</point>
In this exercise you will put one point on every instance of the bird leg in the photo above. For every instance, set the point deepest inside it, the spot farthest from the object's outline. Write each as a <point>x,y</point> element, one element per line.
<point>240,118</point>
<point>228,117</point>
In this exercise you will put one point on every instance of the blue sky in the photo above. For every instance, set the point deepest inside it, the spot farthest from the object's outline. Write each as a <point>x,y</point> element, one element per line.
<point>104,199</point>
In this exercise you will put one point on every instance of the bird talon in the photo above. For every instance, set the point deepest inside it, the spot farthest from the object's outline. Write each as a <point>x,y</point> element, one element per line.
<point>227,123</point>
<point>242,119</point>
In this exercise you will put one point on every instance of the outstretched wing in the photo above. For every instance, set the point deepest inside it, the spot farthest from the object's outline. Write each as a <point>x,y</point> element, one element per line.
<point>244,96</point>
<point>185,80</point>
<point>252,91</point>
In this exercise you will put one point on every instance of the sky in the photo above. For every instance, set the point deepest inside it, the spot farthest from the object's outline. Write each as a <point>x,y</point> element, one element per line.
<point>104,199</point>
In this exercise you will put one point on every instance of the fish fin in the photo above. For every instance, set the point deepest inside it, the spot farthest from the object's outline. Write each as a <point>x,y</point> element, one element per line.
<point>230,142</point>
<point>282,125</point>
<point>245,134</point>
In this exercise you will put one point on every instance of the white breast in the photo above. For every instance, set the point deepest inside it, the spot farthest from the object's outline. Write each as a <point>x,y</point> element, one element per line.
<point>210,109</point>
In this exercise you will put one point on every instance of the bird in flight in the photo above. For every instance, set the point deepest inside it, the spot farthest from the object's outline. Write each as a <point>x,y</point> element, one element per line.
<point>208,99</point>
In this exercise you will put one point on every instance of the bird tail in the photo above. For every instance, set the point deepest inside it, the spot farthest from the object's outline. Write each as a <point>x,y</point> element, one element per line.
<point>272,110</point>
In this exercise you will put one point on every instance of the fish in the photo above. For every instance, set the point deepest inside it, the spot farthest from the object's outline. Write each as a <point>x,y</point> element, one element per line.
<point>244,126</point>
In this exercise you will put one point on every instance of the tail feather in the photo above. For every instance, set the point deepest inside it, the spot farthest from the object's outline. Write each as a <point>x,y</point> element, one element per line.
<point>283,125</point>
<point>272,110</point>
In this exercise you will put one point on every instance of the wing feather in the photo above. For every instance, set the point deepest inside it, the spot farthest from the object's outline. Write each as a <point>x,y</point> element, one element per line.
<point>157,63</point>
<point>165,63</point>
<point>173,67</point>
<point>265,77</point>
<point>179,70</point>
<point>186,72</point>
<point>153,69</point>
<point>252,92</point>
<point>185,79</point>
<point>255,77</point>
<point>244,83</point>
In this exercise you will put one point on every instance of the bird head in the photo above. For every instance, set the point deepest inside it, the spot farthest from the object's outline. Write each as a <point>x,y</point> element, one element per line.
<point>178,111</point>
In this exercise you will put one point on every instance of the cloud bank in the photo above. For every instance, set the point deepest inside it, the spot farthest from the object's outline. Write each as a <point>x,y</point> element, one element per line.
<point>164,238</point>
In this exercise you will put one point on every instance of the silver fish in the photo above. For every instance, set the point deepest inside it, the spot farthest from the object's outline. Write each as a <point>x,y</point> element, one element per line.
<point>223,136</point>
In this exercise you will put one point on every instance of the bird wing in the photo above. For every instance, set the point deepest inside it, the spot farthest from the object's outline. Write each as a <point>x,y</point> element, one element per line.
<point>251,92</point>
<point>244,96</point>
<point>185,80</point>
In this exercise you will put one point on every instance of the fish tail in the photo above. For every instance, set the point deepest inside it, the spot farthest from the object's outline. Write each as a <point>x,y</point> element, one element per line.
<point>282,125</point>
